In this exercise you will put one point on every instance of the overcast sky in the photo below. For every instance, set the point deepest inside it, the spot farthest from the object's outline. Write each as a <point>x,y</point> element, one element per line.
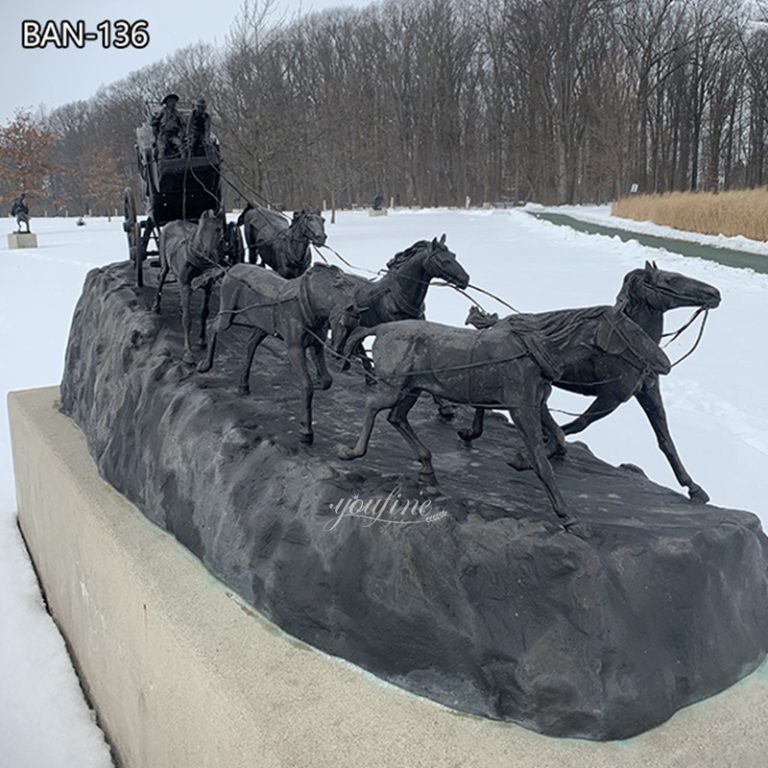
<point>53,77</point>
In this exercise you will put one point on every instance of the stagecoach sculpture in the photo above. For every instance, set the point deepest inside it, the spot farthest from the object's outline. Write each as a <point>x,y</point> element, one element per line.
<point>179,165</point>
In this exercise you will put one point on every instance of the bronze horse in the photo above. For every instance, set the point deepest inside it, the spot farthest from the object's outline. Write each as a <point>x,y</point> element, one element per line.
<point>645,296</point>
<point>400,293</point>
<point>296,310</point>
<point>283,246</point>
<point>509,365</point>
<point>188,250</point>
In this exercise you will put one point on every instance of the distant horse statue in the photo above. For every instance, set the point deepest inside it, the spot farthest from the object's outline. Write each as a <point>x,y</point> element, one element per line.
<point>645,296</point>
<point>505,366</point>
<point>400,293</point>
<point>189,250</point>
<point>282,246</point>
<point>296,310</point>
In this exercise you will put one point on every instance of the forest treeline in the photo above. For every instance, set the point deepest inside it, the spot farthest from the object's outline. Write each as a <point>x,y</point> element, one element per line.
<point>429,102</point>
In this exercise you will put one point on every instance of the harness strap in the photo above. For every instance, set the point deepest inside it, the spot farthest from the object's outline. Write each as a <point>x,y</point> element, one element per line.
<point>308,316</point>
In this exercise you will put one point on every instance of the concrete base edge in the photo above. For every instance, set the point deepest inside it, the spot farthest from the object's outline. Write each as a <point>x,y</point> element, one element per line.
<point>184,673</point>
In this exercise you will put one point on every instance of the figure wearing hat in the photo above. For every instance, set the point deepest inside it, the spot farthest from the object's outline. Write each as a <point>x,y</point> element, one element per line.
<point>170,127</point>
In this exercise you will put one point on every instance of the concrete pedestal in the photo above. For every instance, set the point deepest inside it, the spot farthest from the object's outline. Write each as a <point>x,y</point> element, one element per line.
<point>22,240</point>
<point>372,212</point>
<point>184,673</point>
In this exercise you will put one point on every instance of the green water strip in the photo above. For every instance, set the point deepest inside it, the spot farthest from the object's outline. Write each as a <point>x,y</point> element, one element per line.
<point>728,257</point>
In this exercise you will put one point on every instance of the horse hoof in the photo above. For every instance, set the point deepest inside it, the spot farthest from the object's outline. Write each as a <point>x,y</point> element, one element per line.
<point>345,453</point>
<point>188,358</point>
<point>203,366</point>
<point>306,437</point>
<point>697,494</point>
<point>428,480</point>
<point>519,462</point>
<point>202,344</point>
<point>156,309</point>
<point>243,390</point>
<point>325,384</point>
<point>467,435</point>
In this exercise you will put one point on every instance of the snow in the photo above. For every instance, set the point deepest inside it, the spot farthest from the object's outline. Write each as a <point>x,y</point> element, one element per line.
<point>715,400</point>
<point>601,214</point>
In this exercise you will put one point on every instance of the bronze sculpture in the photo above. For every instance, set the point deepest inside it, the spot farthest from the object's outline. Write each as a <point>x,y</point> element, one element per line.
<point>509,365</point>
<point>400,294</point>
<point>198,135</point>
<point>646,294</point>
<point>169,127</point>
<point>297,310</point>
<point>21,211</point>
<point>189,249</point>
<point>283,246</point>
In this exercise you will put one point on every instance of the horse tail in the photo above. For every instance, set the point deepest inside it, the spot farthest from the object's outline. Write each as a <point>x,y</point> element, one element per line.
<point>356,337</point>
<point>241,218</point>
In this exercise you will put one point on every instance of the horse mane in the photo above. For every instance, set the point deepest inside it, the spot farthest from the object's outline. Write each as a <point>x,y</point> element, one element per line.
<point>400,258</point>
<point>628,292</point>
<point>552,325</point>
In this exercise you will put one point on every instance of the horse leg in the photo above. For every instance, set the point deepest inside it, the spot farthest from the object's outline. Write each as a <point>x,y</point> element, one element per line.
<point>477,426</point>
<point>250,350</point>
<point>606,402</point>
<point>160,283</point>
<point>528,422</point>
<point>204,314</point>
<point>186,320</point>
<point>384,396</point>
<point>649,397</point>
<point>554,435</point>
<point>297,356</point>
<point>318,355</point>
<point>554,439</point>
<point>398,418</point>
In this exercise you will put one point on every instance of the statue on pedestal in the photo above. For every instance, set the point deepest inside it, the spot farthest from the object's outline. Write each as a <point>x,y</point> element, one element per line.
<point>21,211</point>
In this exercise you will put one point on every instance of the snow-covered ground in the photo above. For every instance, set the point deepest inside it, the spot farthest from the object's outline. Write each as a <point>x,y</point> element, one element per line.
<point>601,214</point>
<point>715,400</point>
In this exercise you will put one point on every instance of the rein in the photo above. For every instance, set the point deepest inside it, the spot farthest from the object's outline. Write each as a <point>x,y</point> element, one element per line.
<point>698,337</point>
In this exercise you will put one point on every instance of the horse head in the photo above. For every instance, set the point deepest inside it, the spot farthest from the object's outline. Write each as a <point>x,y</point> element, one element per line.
<point>311,225</point>
<point>442,263</point>
<point>664,290</point>
<point>209,232</point>
<point>617,335</point>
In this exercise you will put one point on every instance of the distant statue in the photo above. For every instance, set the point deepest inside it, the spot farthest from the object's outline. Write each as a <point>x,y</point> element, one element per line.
<point>21,212</point>
<point>169,125</point>
<point>199,130</point>
<point>80,221</point>
<point>377,203</point>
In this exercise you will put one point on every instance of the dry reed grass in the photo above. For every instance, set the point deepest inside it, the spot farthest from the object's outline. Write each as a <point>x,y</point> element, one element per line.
<point>738,212</point>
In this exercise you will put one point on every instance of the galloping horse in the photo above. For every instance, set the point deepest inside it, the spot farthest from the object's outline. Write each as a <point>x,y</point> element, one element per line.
<point>400,293</point>
<point>282,246</point>
<point>297,311</point>
<point>188,250</point>
<point>505,366</point>
<point>645,296</point>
